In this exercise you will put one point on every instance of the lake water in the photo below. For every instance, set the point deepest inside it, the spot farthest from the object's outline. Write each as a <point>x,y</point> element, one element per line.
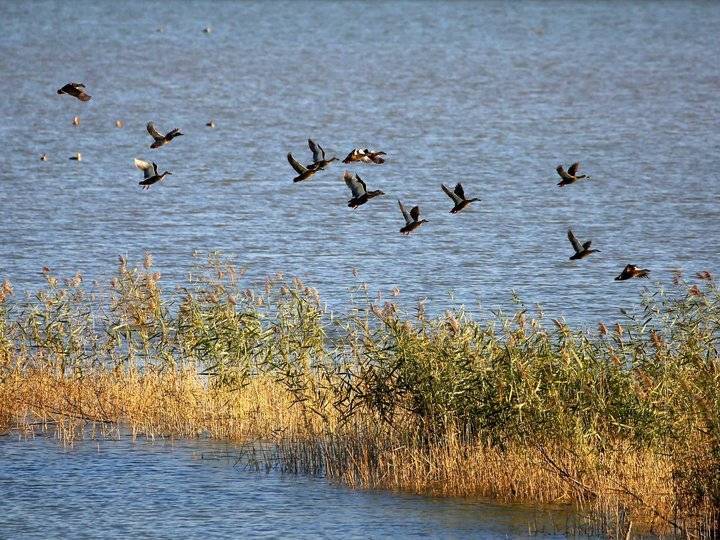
<point>200,489</point>
<point>491,94</point>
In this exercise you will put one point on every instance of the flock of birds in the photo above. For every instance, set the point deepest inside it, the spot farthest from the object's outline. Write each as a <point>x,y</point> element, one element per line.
<point>358,188</point>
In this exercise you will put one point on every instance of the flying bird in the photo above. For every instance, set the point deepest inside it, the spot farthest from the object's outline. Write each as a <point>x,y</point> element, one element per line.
<point>360,194</point>
<point>318,153</point>
<point>458,197</point>
<point>581,251</point>
<point>631,271</point>
<point>160,139</point>
<point>303,172</point>
<point>319,162</point>
<point>412,219</point>
<point>150,173</point>
<point>75,90</point>
<point>364,156</point>
<point>571,175</point>
<point>375,156</point>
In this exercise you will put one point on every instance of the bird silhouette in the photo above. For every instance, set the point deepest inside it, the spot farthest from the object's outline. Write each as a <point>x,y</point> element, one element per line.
<point>160,139</point>
<point>150,173</point>
<point>319,162</point>
<point>581,251</point>
<point>631,271</point>
<point>571,175</point>
<point>360,194</point>
<point>318,153</point>
<point>76,90</point>
<point>458,197</point>
<point>412,219</point>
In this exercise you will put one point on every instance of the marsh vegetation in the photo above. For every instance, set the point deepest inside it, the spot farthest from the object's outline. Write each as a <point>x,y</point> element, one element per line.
<point>623,422</point>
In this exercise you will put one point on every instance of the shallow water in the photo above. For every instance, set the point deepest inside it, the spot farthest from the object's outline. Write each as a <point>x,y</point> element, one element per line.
<point>491,94</point>
<point>200,489</point>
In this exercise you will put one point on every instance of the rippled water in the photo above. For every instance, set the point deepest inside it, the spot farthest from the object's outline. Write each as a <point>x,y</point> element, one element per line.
<point>200,489</point>
<point>491,94</point>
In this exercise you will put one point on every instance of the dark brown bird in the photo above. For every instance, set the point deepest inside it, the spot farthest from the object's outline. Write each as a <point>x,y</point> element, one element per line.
<point>318,153</point>
<point>319,162</point>
<point>581,251</point>
<point>75,90</point>
<point>458,197</point>
<point>412,219</point>
<point>162,140</point>
<point>360,194</point>
<point>150,172</point>
<point>303,172</point>
<point>631,271</point>
<point>571,175</point>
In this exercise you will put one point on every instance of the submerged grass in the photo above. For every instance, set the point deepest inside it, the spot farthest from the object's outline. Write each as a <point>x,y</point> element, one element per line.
<point>623,423</point>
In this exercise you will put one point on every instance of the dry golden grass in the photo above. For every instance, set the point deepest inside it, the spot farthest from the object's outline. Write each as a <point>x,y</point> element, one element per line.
<point>625,425</point>
<point>363,453</point>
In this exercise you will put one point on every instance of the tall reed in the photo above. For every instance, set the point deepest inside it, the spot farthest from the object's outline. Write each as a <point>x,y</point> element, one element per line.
<point>622,421</point>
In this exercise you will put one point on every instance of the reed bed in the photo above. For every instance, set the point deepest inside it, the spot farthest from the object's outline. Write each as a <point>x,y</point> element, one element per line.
<point>622,422</point>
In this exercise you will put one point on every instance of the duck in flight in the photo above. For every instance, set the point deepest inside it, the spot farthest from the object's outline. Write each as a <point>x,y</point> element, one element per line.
<point>631,271</point>
<point>360,194</point>
<point>571,176</point>
<point>581,251</point>
<point>318,153</point>
<point>364,156</point>
<point>458,197</point>
<point>150,172</point>
<point>75,90</point>
<point>161,140</point>
<point>412,219</point>
<point>319,162</point>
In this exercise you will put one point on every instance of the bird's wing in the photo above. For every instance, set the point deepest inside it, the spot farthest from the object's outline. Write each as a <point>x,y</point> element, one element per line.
<point>574,241</point>
<point>154,133</point>
<point>356,185</point>
<point>587,244</point>
<point>459,191</point>
<point>145,166</point>
<point>317,151</point>
<point>406,214</point>
<point>451,194</point>
<point>173,133</point>
<point>415,213</point>
<point>572,171</point>
<point>300,169</point>
<point>155,168</point>
<point>562,173</point>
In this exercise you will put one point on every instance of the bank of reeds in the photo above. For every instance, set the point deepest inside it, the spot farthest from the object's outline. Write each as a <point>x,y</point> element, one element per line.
<point>623,422</point>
